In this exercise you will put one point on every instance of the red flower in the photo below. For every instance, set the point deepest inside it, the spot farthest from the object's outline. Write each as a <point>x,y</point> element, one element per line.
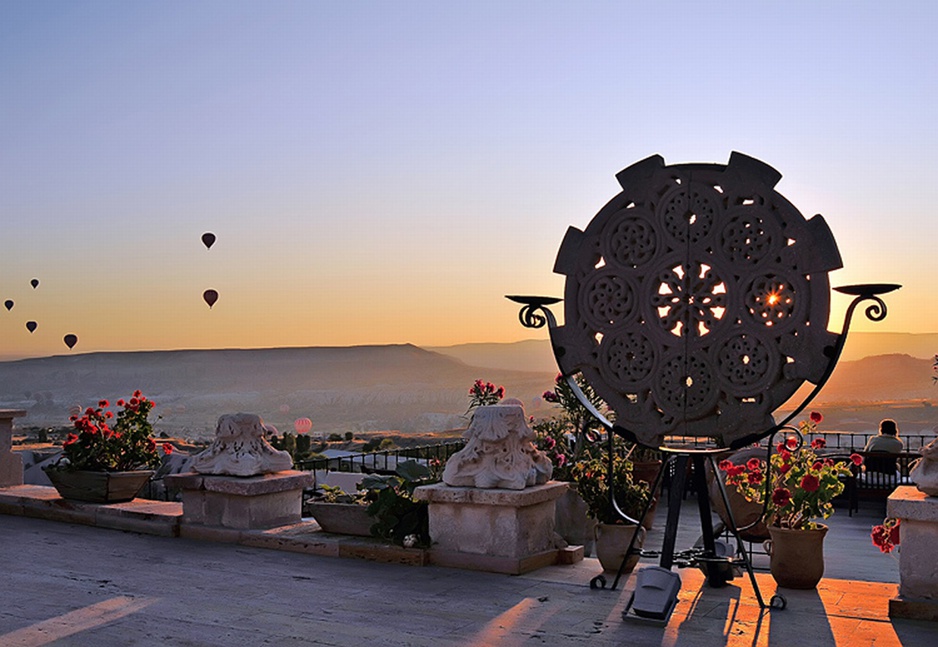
<point>753,464</point>
<point>137,393</point>
<point>816,417</point>
<point>817,466</point>
<point>857,459</point>
<point>725,465</point>
<point>71,438</point>
<point>755,477</point>
<point>781,497</point>
<point>810,483</point>
<point>108,415</point>
<point>104,403</point>
<point>167,448</point>
<point>133,401</point>
<point>818,443</point>
<point>791,442</point>
<point>120,402</point>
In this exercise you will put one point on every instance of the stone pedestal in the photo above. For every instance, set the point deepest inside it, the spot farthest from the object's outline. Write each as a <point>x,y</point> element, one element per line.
<point>241,503</point>
<point>11,464</point>
<point>497,530</point>
<point>918,554</point>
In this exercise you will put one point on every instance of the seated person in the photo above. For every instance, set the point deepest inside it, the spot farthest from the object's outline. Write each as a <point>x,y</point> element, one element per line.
<point>887,440</point>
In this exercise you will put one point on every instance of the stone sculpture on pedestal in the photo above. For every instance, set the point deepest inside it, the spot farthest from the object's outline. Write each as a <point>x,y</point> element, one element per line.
<point>499,453</point>
<point>240,449</point>
<point>925,471</point>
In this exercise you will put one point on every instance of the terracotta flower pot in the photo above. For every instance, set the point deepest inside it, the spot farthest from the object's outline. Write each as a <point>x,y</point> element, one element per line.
<point>612,542</point>
<point>796,557</point>
<point>98,487</point>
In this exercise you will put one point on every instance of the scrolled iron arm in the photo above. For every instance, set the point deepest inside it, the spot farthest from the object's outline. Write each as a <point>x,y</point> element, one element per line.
<point>876,311</point>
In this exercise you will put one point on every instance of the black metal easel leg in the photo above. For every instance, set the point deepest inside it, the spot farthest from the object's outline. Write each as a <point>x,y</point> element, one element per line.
<point>735,531</point>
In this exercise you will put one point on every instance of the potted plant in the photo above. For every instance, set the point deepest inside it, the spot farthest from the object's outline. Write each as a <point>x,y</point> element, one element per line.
<point>612,533</point>
<point>565,439</point>
<point>338,512</point>
<point>384,507</point>
<point>795,489</point>
<point>108,459</point>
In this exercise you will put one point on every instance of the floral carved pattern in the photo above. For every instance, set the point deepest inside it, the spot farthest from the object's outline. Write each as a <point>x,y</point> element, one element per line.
<point>696,301</point>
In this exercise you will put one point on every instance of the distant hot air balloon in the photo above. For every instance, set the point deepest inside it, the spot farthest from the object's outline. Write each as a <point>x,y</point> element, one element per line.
<point>34,283</point>
<point>8,304</point>
<point>208,239</point>
<point>31,326</point>
<point>70,340</point>
<point>210,296</point>
<point>302,425</point>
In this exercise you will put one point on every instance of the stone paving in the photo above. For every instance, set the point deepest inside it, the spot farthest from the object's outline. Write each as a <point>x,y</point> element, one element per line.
<point>66,584</point>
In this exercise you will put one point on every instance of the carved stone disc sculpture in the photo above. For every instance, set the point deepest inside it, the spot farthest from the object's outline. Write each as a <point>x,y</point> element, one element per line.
<point>240,449</point>
<point>697,300</point>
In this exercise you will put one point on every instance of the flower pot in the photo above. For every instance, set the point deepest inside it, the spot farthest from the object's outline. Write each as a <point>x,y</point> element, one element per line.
<point>98,487</point>
<point>796,557</point>
<point>572,520</point>
<point>341,518</point>
<point>648,471</point>
<point>612,543</point>
<point>747,514</point>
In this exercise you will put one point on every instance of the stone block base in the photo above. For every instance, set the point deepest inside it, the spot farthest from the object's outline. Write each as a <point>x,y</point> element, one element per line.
<point>504,531</point>
<point>913,609</point>
<point>918,560</point>
<point>242,503</point>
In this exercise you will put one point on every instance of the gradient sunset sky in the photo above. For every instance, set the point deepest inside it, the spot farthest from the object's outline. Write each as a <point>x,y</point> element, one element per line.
<point>384,172</point>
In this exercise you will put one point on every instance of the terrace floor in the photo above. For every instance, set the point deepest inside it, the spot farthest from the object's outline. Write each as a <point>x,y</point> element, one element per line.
<point>67,584</point>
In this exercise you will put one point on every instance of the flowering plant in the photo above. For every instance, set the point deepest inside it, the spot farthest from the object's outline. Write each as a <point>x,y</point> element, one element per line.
<point>126,444</point>
<point>885,536</point>
<point>483,393</point>
<point>797,486</point>
<point>591,477</point>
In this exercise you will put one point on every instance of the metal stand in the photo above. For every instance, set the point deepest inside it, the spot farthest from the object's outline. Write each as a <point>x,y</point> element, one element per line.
<point>715,563</point>
<point>711,557</point>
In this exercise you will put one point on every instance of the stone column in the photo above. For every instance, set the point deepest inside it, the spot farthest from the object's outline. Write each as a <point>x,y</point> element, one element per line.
<point>918,554</point>
<point>11,464</point>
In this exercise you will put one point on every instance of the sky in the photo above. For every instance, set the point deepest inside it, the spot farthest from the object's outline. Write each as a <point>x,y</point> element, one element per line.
<point>384,172</point>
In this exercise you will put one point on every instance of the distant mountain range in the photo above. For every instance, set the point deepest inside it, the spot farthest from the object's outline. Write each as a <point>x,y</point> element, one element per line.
<point>358,388</point>
<point>362,388</point>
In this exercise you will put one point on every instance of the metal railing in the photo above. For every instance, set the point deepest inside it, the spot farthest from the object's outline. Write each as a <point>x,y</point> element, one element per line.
<point>382,462</point>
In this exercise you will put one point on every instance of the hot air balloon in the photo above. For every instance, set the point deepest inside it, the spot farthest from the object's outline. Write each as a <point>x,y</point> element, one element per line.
<point>31,326</point>
<point>8,304</point>
<point>208,239</point>
<point>302,425</point>
<point>34,283</point>
<point>210,296</point>
<point>70,340</point>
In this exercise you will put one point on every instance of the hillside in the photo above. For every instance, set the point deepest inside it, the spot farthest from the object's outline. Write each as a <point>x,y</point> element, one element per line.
<point>376,388</point>
<point>341,389</point>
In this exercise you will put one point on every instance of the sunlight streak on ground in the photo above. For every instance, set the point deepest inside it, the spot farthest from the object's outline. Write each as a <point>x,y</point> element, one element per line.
<point>514,625</point>
<point>48,631</point>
